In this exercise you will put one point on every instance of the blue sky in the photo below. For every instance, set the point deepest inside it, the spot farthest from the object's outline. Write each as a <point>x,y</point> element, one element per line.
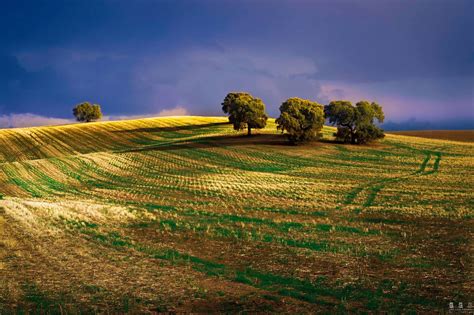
<point>138,57</point>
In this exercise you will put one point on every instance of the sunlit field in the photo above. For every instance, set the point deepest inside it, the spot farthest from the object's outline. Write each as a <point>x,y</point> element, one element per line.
<point>186,214</point>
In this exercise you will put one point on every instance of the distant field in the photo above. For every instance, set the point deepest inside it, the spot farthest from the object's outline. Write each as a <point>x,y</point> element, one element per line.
<point>454,135</point>
<point>185,214</point>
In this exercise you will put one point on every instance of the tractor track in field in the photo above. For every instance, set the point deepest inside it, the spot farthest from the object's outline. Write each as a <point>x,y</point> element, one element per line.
<point>375,187</point>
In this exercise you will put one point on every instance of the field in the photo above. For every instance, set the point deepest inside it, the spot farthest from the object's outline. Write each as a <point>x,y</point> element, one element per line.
<point>454,135</point>
<point>185,214</point>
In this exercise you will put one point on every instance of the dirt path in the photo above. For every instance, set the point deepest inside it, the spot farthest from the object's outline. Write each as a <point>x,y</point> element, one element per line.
<point>371,189</point>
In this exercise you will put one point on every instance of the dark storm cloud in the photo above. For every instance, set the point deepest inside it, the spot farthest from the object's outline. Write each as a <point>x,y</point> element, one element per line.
<point>141,57</point>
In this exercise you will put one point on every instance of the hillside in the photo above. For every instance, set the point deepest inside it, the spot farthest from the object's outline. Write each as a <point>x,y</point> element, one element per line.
<point>185,214</point>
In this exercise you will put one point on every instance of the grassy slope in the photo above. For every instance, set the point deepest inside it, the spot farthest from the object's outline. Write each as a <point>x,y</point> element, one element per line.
<point>185,214</point>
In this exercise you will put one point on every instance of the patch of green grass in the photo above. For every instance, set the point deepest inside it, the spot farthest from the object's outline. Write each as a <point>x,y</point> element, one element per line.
<point>387,255</point>
<point>25,186</point>
<point>273,298</point>
<point>80,224</point>
<point>154,207</point>
<point>93,289</point>
<point>39,300</point>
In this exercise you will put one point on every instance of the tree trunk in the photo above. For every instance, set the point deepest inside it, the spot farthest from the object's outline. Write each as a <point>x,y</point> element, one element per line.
<point>352,136</point>
<point>249,131</point>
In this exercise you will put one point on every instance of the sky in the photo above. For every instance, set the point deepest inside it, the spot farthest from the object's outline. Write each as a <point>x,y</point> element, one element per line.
<point>146,58</point>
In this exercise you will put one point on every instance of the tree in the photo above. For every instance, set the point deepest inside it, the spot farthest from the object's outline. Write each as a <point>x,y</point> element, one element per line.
<point>302,119</point>
<point>87,112</point>
<point>245,111</point>
<point>230,98</point>
<point>355,124</point>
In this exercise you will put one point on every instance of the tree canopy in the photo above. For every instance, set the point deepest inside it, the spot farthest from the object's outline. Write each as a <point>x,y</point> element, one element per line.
<point>355,124</point>
<point>301,119</point>
<point>87,112</point>
<point>245,111</point>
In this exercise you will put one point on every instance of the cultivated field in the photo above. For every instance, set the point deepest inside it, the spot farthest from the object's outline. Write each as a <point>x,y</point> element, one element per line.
<point>184,214</point>
<point>454,135</point>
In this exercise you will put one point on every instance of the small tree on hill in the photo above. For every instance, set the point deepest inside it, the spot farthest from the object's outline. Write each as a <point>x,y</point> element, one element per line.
<point>302,119</point>
<point>245,111</point>
<point>87,112</point>
<point>355,124</point>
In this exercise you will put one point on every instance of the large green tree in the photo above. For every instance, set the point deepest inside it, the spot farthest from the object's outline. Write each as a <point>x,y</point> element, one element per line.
<point>245,111</point>
<point>355,124</point>
<point>87,112</point>
<point>301,119</point>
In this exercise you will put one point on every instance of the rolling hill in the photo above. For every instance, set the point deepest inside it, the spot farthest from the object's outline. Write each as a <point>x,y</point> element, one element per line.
<point>185,214</point>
